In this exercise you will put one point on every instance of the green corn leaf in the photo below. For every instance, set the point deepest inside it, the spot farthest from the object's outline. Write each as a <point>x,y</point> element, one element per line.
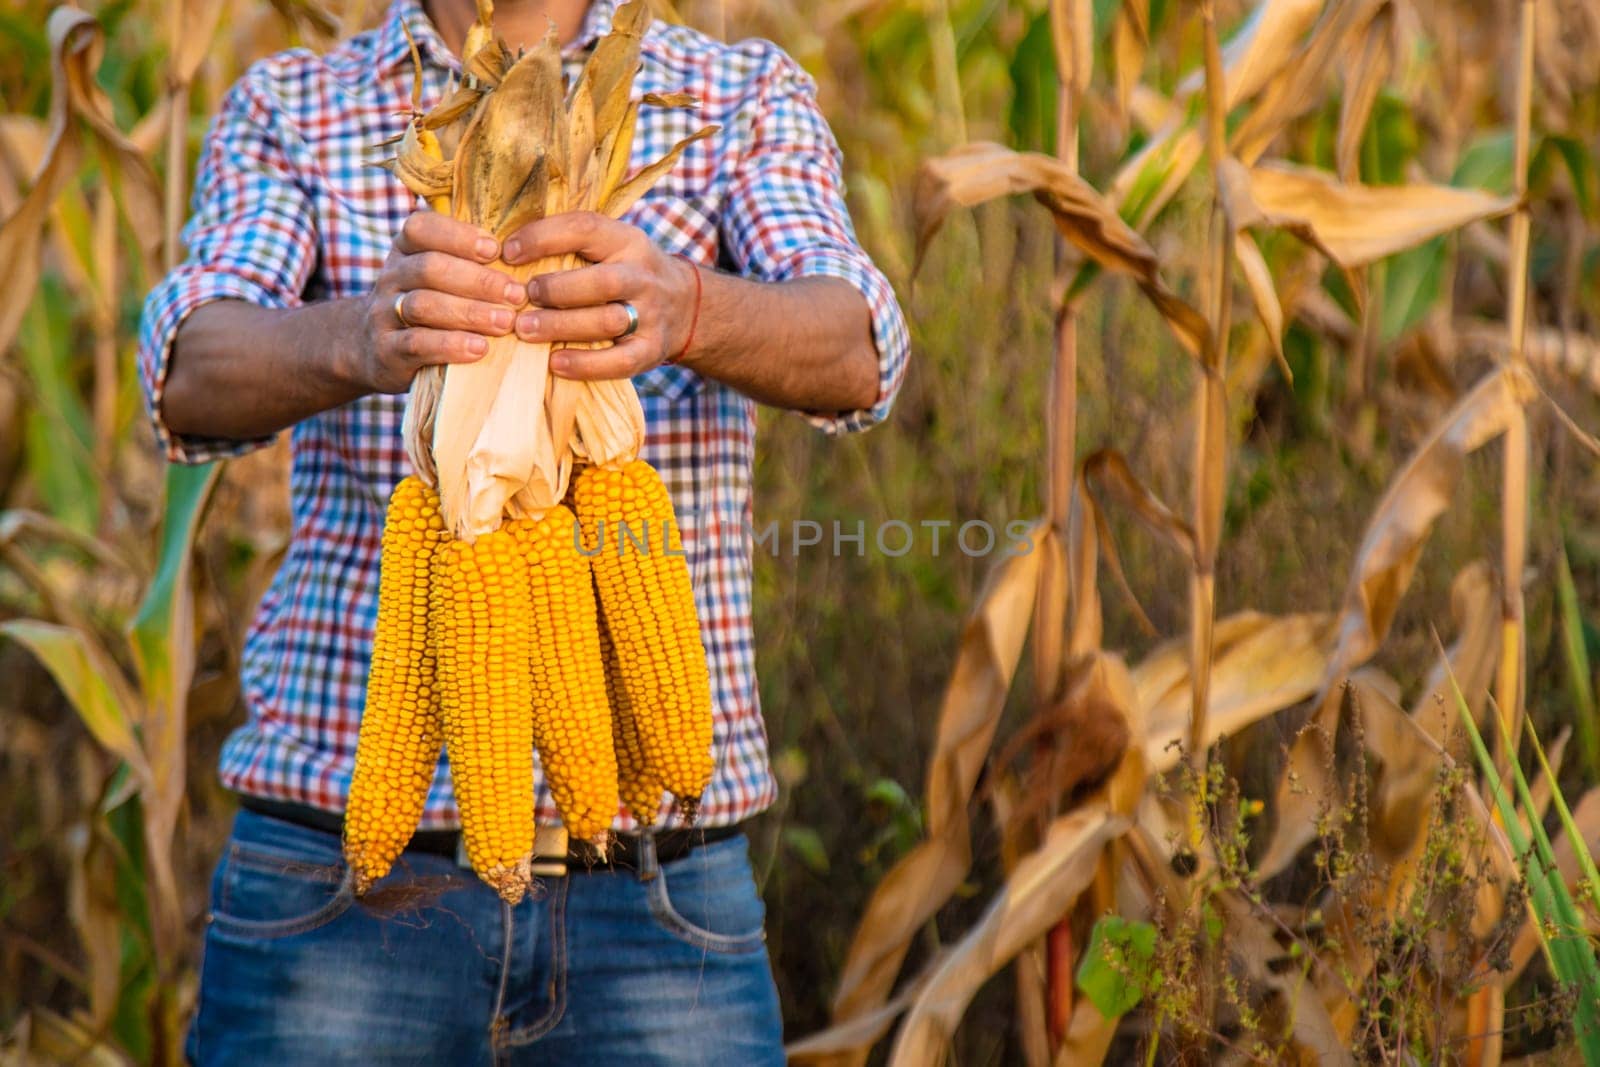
<point>1569,953</point>
<point>88,677</point>
<point>1580,849</point>
<point>1580,687</point>
<point>162,632</point>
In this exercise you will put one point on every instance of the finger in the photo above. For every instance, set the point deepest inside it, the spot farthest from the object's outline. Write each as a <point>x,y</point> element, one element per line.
<point>458,277</point>
<point>585,233</point>
<point>421,346</point>
<point>430,231</point>
<point>602,323</point>
<point>622,360</point>
<point>585,287</point>
<point>429,307</point>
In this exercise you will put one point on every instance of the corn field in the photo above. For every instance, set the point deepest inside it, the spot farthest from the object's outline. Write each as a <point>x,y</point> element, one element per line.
<point>1271,321</point>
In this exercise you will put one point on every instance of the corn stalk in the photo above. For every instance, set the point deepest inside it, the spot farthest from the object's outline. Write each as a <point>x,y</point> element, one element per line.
<point>1210,419</point>
<point>1509,682</point>
<point>1486,1008</point>
<point>1071,30</point>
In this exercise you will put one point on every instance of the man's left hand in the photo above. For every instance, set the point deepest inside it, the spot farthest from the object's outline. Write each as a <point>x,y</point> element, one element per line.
<point>587,303</point>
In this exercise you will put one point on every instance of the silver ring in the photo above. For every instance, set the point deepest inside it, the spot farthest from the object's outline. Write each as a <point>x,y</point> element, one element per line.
<point>633,321</point>
<point>400,311</point>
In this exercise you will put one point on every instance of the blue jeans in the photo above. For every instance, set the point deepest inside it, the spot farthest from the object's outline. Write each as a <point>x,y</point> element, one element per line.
<point>603,967</point>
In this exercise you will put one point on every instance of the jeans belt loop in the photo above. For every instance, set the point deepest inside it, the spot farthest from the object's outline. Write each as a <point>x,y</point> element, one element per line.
<point>648,867</point>
<point>550,851</point>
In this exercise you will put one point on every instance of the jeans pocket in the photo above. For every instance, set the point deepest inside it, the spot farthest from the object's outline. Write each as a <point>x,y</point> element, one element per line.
<point>264,894</point>
<point>708,899</point>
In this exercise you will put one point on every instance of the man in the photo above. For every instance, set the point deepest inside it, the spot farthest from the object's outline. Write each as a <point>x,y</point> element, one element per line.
<point>313,292</point>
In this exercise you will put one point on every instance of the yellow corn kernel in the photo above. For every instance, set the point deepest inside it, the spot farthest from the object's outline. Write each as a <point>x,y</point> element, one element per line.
<point>571,717</point>
<point>639,789</point>
<point>642,578</point>
<point>482,632</point>
<point>398,748</point>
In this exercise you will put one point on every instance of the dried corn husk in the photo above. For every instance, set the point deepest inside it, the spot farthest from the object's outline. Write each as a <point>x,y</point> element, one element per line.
<point>498,438</point>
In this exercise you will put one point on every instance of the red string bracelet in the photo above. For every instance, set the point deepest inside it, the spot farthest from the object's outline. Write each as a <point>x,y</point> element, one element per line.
<point>694,320</point>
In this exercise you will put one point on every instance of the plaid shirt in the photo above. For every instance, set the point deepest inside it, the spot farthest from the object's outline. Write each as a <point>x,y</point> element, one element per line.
<point>287,209</point>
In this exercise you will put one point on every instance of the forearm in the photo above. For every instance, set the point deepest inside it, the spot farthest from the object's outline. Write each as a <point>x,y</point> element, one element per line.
<point>238,370</point>
<point>804,344</point>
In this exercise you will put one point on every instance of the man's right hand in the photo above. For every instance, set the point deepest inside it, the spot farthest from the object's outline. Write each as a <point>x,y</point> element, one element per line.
<point>436,301</point>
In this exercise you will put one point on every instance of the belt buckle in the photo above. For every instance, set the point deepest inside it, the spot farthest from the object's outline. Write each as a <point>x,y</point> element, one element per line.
<point>550,851</point>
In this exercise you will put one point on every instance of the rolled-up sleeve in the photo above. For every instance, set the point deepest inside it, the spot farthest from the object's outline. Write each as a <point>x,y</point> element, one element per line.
<point>251,236</point>
<point>785,217</point>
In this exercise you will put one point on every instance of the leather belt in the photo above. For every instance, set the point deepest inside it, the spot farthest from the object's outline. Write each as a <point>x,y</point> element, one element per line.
<point>554,854</point>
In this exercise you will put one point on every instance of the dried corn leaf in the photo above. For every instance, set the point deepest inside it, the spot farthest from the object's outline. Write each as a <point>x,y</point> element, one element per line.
<point>489,64</point>
<point>601,98</point>
<point>673,100</point>
<point>1475,609</point>
<point>1309,786</point>
<point>911,893</point>
<point>1086,622</point>
<point>843,1042</point>
<point>424,175</point>
<point>1251,59</point>
<point>1263,294</point>
<point>193,25</point>
<point>629,192</point>
<point>610,422</point>
<point>519,124</point>
<point>456,104</point>
<point>1297,85</point>
<point>617,150</point>
<point>1165,669</point>
<point>1417,496</point>
<point>1259,49</point>
<point>1260,665</point>
<point>1038,893</point>
<point>977,173</point>
<point>1108,471</point>
<point>1250,939</point>
<point>1352,224</point>
<point>76,43</point>
<point>1130,39</point>
<point>1072,35</point>
<point>1361,85</point>
<point>1088,1037</point>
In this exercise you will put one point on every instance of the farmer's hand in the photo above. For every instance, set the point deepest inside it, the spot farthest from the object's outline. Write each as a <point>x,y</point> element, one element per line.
<point>436,301</point>
<point>590,303</point>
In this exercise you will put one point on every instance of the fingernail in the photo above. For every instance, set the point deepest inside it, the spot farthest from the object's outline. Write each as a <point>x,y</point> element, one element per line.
<point>486,248</point>
<point>513,250</point>
<point>500,318</point>
<point>515,294</point>
<point>560,364</point>
<point>527,325</point>
<point>479,345</point>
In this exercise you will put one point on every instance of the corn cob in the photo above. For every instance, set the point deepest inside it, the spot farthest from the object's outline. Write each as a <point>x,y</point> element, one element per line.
<point>648,605</point>
<point>482,630</point>
<point>638,787</point>
<point>571,716</point>
<point>398,749</point>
